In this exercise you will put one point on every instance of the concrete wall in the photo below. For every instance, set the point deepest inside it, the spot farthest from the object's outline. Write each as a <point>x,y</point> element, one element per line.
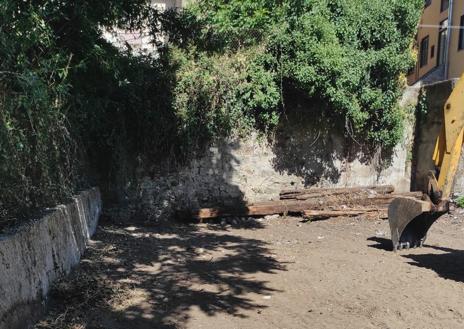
<point>428,126</point>
<point>459,180</point>
<point>40,252</point>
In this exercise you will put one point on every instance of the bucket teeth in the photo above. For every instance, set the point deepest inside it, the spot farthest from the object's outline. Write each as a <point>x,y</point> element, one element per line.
<point>403,245</point>
<point>409,245</point>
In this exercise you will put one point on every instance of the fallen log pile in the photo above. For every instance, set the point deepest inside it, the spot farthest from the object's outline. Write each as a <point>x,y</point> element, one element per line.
<point>317,203</point>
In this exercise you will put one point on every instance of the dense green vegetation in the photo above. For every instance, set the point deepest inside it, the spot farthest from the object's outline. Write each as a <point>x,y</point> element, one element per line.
<point>73,107</point>
<point>349,54</point>
<point>62,90</point>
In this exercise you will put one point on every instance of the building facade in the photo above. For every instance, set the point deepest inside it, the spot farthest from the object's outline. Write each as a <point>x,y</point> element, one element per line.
<point>140,42</point>
<point>440,42</point>
<point>169,4</point>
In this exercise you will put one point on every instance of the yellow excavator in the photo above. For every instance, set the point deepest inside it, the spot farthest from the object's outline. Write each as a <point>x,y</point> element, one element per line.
<point>409,218</point>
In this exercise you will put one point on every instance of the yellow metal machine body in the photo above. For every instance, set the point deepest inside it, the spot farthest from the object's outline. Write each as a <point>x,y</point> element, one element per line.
<point>449,144</point>
<point>411,219</point>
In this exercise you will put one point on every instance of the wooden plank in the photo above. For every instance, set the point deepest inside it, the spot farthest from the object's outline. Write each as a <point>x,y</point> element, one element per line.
<point>414,195</point>
<point>350,196</point>
<point>340,213</point>
<point>379,189</point>
<point>322,192</point>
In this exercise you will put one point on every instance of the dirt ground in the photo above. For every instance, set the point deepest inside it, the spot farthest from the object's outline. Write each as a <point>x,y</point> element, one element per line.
<point>269,273</point>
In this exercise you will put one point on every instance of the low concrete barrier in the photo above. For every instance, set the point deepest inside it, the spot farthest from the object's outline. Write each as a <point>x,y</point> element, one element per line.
<point>39,253</point>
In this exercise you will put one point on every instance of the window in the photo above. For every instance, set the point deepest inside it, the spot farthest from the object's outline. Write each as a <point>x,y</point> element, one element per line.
<point>428,3</point>
<point>442,43</point>
<point>461,34</point>
<point>424,51</point>
<point>432,52</point>
<point>444,5</point>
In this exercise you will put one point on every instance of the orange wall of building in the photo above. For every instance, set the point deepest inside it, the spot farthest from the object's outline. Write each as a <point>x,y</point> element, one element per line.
<point>430,16</point>
<point>456,56</point>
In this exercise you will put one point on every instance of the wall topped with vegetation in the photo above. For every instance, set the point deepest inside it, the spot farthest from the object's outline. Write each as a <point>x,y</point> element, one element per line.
<point>77,111</point>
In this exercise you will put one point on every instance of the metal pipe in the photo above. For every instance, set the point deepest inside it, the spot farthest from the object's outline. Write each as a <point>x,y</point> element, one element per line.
<point>455,27</point>
<point>448,42</point>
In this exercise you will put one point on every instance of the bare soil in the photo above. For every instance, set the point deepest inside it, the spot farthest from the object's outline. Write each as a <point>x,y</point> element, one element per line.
<point>275,273</point>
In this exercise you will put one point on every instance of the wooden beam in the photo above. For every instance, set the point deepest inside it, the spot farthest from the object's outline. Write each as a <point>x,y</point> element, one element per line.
<point>321,192</point>
<point>291,206</point>
<point>340,213</point>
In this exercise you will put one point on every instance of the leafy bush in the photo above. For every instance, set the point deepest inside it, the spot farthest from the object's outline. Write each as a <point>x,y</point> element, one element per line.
<point>220,95</point>
<point>49,49</point>
<point>36,148</point>
<point>460,202</point>
<point>349,54</point>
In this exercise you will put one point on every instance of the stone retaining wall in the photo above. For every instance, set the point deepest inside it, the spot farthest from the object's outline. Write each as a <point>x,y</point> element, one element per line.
<point>305,151</point>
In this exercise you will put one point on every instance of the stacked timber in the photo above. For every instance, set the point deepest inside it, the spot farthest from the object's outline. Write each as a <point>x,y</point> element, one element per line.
<point>317,202</point>
<point>321,192</point>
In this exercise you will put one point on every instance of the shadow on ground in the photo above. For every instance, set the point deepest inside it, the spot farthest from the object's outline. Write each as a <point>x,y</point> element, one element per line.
<point>448,265</point>
<point>381,243</point>
<point>154,277</point>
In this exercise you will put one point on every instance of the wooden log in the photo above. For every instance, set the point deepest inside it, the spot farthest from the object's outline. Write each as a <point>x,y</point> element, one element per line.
<point>321,192</point>
<point>340,213</point>
<point>290,206</point>
<point>258,209</point>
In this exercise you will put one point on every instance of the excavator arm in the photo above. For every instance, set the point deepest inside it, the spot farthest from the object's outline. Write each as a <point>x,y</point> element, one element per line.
<point>449,144</point>
<point>410,219</point>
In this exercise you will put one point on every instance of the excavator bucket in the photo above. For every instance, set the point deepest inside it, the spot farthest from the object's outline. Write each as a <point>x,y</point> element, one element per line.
<point>410,219</point>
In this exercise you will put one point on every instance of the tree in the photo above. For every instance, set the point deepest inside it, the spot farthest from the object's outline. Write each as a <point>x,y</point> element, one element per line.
<point>52,52</point>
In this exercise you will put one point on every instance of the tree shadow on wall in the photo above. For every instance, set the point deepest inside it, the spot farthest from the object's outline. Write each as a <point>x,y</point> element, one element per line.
<point>165,274</point>
<point>206,180</point>
<point>316,147</point>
